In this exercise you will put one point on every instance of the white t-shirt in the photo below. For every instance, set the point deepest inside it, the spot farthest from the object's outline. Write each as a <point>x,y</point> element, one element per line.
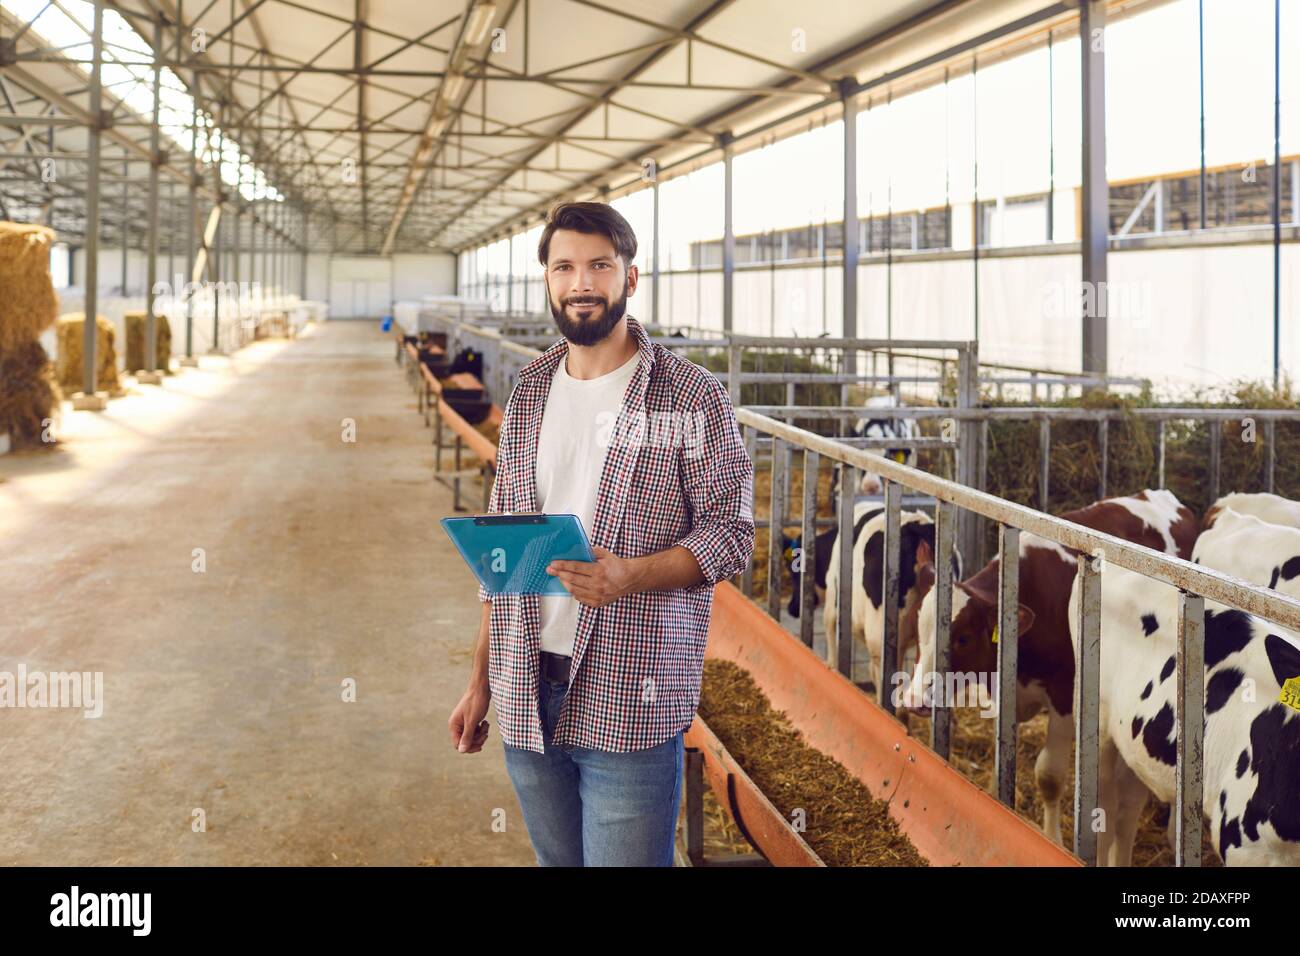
<point>576,425</point>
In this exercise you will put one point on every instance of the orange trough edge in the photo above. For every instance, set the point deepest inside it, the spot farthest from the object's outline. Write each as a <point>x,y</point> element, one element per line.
<point>474,439</point>
<point>951,821</point>
<point>761,822</point>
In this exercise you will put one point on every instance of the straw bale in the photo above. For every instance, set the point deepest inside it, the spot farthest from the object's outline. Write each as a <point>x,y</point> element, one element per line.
<point>135,339</point>
<point>29,304</point>
<point>69,372</point>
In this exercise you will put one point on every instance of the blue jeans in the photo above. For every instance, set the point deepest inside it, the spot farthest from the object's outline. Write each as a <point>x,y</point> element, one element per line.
<point>587,807</point>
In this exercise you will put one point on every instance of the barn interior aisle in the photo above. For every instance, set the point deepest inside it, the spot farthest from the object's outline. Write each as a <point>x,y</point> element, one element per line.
<point>235,567</point>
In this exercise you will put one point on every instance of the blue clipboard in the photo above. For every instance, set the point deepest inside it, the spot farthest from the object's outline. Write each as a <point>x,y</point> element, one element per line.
<point>509,553</point>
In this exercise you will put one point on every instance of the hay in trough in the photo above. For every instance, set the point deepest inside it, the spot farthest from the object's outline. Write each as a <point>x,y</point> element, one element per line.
<point>69,371</point>
<point>29,305</point>
<point>135,340</point>
<point>846,825</point>
<point>972,755</point>
<point>29,397</point>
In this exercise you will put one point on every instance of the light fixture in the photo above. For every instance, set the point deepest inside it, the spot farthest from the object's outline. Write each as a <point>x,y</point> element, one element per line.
<point>480,18</point>
<point>452,84</point>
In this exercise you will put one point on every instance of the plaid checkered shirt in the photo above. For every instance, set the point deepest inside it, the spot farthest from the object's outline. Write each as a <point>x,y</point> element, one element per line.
<point>634,680</point>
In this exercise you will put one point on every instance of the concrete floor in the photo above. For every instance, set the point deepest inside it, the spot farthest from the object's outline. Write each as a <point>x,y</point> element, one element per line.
<point>223,689</point>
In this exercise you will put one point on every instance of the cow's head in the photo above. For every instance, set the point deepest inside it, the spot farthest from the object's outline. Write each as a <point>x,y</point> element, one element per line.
<point>972,643</point>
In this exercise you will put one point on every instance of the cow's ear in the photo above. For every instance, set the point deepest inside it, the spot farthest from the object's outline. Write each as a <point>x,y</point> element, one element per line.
<point>1026,620</point>
<point>924,555</point>
<point>987,598</point>
<point>1283,657</point>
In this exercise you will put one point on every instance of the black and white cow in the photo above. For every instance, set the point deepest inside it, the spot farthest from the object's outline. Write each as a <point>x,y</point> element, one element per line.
<point>868,614</point>
<point>868,427</point>
<point>1271,508</point>
<point>1252,722</point>
<point>821,562</point>
<point>1256,551</point>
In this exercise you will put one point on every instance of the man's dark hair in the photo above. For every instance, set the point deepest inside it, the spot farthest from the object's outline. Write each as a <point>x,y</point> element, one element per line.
<point>590,218</point>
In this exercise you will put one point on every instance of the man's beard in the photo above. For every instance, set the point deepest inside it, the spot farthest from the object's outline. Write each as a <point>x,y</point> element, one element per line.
<point>591,330</point>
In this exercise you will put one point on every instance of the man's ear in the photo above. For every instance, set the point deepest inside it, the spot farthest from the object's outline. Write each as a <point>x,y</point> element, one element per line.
<point>632,277</point>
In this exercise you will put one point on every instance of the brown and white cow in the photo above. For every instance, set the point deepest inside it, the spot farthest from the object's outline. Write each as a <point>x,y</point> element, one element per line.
<point>1155,519</point>
<point>1271,508</point>
<point>1251,752</point>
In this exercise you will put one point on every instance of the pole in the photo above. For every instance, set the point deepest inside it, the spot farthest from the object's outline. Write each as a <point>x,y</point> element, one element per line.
<point>150,301</point>
<point>89,399</point>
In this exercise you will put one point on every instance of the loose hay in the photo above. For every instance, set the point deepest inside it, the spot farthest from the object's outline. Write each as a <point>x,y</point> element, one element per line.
<point>135,340</point>
<point>29,304</point>
<point>69,371</point>
<point>1133,452</point>
<point>846,826</point>
<point>29,395</point>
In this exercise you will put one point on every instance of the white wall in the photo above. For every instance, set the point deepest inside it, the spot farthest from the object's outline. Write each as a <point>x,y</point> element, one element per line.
<point>367,286</point>
<point>318,277</point>
<point>1183,317</point>
<point>415,276</point>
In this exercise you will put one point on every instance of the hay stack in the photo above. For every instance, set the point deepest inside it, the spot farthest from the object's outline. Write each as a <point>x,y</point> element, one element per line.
<point>28,394</point>
<point>69,373</point>
<point>135,340</point>
<point>29,305</point>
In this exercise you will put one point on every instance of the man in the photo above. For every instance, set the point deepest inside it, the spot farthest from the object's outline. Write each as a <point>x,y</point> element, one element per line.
<point>594,691</point>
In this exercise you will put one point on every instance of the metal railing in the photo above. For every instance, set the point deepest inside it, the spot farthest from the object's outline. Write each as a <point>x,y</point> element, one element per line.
<point>1195,584</point>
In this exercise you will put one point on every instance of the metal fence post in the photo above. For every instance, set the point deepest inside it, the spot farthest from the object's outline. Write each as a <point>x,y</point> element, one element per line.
<point>1189,712</point>
<point>1087,689</point>
<point>1103,450</point>
<point>1044,462</point>
<point>1008,661</point>
<point>751,443</point>
<point>808,546</point>
<point>1216,457</point>
<point>945,521</point>
<point>733,373</point>
<point>1270,438</point>
<point>968,523</point>
<point>1160,468</point>
<point>844,625</point>
<point>776,512</point>
<point>891,574</point>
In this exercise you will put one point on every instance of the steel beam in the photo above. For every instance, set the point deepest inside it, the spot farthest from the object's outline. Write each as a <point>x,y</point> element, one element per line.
<point>155,134</point>
<point>728,233</point>
<point>1096,191</point>
<point>89,329</point>
<point>849,328</point>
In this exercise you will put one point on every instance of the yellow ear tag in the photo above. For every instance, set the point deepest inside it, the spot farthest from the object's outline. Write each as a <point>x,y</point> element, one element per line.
<point>1291,693</point>
<point>900,457</point>
<point>995,633</point>
<point>788,554</point>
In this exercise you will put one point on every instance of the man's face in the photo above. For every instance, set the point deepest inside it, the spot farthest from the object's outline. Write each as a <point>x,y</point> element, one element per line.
<point>587,285</point>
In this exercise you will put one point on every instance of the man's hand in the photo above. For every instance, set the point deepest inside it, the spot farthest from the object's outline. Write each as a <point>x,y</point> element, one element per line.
<point>600,582</point>
<point>469,731</point>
